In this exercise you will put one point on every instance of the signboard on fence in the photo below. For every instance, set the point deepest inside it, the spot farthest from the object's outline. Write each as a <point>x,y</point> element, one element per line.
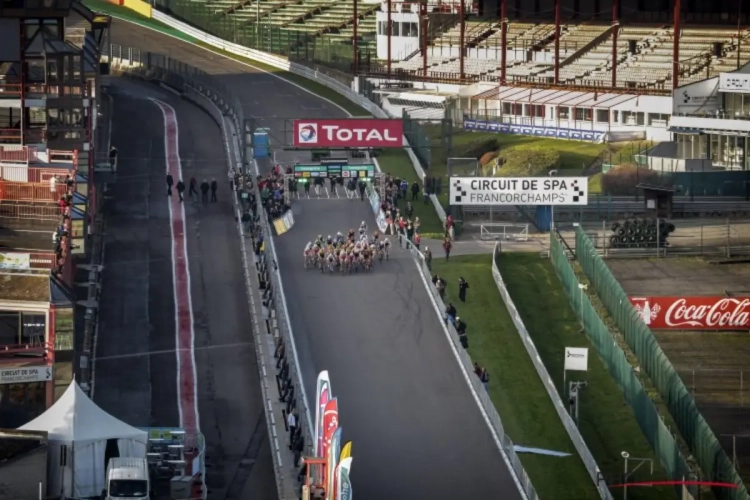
<point>694,313</point>
<point>25,375</point>
<point>16,261</point>
<point>284,223</point>
<point>349,133</point>
<point>519,191</point>
<point>363,171</point>
<point>540,131</point>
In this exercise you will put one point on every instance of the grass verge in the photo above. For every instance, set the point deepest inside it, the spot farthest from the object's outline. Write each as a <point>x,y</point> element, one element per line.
<point>515,388</point>
<point>606,422</point>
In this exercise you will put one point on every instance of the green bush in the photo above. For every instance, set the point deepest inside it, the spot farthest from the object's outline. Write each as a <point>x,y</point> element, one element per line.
<point>527,160</point>
<point>623,179</point>
<point>478,148</point>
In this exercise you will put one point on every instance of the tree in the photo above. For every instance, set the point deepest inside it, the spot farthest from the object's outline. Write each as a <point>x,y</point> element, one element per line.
<point>527,160</point>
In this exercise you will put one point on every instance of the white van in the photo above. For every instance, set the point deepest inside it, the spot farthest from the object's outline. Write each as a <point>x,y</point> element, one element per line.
<point>127,478</point>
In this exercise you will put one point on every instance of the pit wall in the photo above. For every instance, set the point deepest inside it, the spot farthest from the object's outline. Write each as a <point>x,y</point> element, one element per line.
<point>714,463</point>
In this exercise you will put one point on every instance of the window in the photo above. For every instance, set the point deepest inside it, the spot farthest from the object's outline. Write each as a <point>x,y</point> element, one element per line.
<point>381,28</point>
<point>517,109</point>
<point>563,113</point>
<point>584,114</point>
<point>409,29</point>
<point>52,76</point>
<point>396,30</point>
<point>37,116</point>
<point>506,108</point>
<point>658,120</point>
<point>36,72</point>
<point>22,328</point>
<point>602,115</point>
<point>537,110</point>
<point>616,116</point>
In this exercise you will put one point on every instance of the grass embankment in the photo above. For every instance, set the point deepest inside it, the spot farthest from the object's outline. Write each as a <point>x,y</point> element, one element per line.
<point>606,422</point>
<point>395,162</point>
<point>516,390</point>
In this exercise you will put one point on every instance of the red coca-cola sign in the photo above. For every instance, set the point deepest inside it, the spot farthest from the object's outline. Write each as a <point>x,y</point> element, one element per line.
<point>694,313</point>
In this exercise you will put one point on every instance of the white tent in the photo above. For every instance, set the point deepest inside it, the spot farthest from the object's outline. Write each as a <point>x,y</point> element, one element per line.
<point>77,432</point>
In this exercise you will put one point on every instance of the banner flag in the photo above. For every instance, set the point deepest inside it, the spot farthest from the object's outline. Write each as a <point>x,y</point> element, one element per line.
<point>343,482</point>
<point>334,450</point>
<point>322,396</point>
<point>346,451</point>
<point>330,424</point>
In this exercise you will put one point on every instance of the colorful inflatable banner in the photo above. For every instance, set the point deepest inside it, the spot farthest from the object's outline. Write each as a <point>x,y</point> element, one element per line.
<point>330,424</point>
<point>343,482</point>
<point>346,451</point>
<point>334,450</point>
<point>322,396</point>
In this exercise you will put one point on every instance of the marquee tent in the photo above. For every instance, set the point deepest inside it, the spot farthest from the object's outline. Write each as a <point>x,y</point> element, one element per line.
<point>78,431</point>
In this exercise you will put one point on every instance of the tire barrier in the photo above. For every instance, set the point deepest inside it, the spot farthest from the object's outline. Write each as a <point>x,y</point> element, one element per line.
<point>641,233</point>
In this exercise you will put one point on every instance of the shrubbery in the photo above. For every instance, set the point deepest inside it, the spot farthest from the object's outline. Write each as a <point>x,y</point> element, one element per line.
<point>623,179</point>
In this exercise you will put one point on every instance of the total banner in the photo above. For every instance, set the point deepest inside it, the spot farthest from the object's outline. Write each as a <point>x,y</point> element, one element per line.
<point>519,191</point>
<point>694,313</point>
<point>349,133</point>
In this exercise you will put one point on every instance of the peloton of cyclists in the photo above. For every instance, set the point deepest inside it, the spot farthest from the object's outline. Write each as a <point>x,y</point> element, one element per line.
<point>346,254</point>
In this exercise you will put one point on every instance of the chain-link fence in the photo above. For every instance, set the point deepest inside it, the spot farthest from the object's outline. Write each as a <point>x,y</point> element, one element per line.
<point>718,386</point>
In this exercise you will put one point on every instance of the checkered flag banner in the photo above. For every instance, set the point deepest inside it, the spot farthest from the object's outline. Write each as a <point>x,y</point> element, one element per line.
<point>577,193</point>
<point>458,192</point>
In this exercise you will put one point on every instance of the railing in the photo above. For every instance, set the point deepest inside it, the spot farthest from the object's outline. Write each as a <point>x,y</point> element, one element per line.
<point>504,231</point>
<point>18,154</point>
<point>28,211</point>
<point>32,192</point>
<point>13,89</point>
<point>570,426</point>
<point>30,349</point>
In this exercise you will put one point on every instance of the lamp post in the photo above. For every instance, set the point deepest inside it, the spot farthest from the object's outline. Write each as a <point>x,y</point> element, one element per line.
<point>552,173</point>
<point>626,456</point>
<point>581,288</point>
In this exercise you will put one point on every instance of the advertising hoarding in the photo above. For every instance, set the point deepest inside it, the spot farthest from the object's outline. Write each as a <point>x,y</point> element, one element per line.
<point>694,313</point>
<point>519,191</point>
<point>343,133</point>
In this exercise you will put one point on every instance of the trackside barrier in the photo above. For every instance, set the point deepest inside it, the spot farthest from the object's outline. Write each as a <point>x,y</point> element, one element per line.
<point>549,384</point>
<point>507,445</point>
<point>275,302</point>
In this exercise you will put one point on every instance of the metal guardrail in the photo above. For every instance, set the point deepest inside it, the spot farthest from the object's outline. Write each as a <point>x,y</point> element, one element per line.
<point>504,231</point>
<point>575,436</point>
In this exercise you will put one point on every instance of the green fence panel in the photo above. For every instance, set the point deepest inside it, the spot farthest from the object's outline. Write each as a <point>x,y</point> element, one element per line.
<point>653,428</point>
<point>419,141</point>
<point>711,457</point>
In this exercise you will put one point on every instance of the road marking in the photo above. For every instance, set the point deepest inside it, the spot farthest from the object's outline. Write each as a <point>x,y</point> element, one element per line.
<point>184,329</point>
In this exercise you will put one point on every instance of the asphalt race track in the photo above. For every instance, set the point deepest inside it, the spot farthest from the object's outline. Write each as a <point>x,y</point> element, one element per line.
<point>138,297</point>
<point>404,402</point>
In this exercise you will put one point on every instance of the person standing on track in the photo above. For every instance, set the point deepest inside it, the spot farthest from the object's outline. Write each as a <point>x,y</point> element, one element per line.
<point>193,190</point>
<point>170,183</point>
<point>214,187</point>
<point>204,191</point>
<point>181,190</point>
<point>447,246</point>
<point>463,285</point>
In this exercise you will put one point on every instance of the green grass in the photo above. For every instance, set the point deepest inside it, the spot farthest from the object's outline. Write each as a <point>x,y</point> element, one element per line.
<point>607,423</point>
<point>515,388</point>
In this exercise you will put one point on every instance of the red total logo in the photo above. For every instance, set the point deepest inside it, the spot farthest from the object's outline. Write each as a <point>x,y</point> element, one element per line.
<point>694,313</point>
<point>358,133</point>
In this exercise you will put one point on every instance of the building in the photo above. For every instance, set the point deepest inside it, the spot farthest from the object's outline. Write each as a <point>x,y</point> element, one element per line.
<point>49,76</point>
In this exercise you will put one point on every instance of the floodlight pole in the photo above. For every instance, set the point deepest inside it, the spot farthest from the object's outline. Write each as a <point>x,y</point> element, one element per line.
<point>557,42</point>
<point>461,38</point>
<point>503,40</point>
<point>676,43</point>
<point>355,62</point>
<point>388,29</point>
<point>615,33</point>
<point>552,173</point>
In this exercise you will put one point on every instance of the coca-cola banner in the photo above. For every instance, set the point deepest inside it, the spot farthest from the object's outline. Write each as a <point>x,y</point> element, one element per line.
<point>694,313</point>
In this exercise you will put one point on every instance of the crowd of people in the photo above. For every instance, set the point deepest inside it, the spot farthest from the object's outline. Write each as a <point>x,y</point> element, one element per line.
<point>346,254</point>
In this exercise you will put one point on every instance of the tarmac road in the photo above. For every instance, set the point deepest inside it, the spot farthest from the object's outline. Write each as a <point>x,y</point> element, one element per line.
<point>417,431</point>
<point>138,311</point>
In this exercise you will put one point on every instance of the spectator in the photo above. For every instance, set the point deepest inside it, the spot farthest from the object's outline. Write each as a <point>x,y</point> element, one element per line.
<point>462,336</point>
<point>428,258</point>
<point>291,422</point>
<point>204,191</point>
<point>484,376</point>
<point>414,191</point>
<point>450,314</point>
<point>214,187</point>
<point>463,285</point>
<point>193,190</point>
<point>170,183</point>
<point>180,189</point>
<point>447,246</point>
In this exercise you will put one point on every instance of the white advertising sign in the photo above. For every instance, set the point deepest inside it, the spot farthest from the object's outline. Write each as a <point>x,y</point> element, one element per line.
<point>577,359</point>
<point>734,82</point>
<point>519,191</point>
<point>25,375</point>
<point>17,261</point>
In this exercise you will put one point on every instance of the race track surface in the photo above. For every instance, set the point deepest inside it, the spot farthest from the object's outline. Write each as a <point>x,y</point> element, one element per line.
<point>404,402</point>
<point>138,308</point>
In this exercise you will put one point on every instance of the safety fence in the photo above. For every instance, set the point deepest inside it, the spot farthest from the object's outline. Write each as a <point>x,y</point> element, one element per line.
<point>570,426</point>
<point>713,461</point>
<point>650,422</point>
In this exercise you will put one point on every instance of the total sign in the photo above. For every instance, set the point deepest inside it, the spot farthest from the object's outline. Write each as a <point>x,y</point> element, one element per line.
<point>519,191</point>
<point>366,133</point>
